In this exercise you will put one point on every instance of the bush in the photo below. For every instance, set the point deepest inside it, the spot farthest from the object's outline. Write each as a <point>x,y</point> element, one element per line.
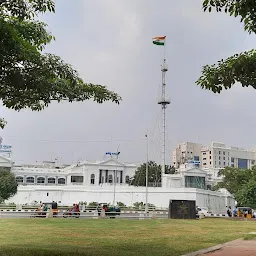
<point>93,204</point>
<point>120,204</point>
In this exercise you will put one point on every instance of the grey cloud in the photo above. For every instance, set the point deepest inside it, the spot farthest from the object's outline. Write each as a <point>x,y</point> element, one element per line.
<point>109,42</point>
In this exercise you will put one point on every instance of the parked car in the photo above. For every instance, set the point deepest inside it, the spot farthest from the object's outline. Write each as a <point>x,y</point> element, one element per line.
<point>202,210</point>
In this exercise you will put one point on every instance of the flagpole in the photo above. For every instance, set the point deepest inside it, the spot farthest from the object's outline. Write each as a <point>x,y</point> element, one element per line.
<point>163,102</point>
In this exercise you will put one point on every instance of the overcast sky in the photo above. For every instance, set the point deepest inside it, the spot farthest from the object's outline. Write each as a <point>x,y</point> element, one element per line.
<point>110,42</point>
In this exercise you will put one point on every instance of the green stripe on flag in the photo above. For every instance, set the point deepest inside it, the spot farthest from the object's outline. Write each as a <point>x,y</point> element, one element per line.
<point>158,43</point>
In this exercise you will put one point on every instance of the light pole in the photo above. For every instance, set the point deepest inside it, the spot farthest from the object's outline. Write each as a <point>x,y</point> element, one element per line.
<point>146,206</point>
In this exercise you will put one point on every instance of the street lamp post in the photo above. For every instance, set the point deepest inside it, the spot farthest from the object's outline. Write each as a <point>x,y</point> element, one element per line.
<point>146,206</point>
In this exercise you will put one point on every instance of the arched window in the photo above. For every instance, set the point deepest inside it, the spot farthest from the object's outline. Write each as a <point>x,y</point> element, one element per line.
<point>51,180</point>
<point>30,180</point>
<point>110,178</point>
<point>19,179</point>
<point>61,181</point>
<point>127,179</point>
<point>92,178</point>
<point>40,180</point>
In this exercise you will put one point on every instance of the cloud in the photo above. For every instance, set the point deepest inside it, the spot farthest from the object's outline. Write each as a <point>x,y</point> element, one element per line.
<point>109,42</point>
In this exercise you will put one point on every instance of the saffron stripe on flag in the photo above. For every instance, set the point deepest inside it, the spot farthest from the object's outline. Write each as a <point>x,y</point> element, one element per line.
<point>159,38</point>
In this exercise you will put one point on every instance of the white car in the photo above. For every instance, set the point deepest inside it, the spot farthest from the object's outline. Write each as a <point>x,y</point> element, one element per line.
<point>202,210</point>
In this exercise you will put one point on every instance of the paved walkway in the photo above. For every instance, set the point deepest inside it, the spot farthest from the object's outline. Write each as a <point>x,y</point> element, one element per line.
<point>236,248</point>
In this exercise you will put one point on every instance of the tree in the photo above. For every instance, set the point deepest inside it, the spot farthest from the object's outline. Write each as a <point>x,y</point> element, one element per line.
<point>8,185</point>
<point>154,174</point>
<point>241,183</point>
<point>32,79</point>
<point>239,67</point>
<point>246,196</point>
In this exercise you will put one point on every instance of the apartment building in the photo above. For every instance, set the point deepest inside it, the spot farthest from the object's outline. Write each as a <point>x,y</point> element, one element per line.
<point>185,152</point>
<point>218,155</point>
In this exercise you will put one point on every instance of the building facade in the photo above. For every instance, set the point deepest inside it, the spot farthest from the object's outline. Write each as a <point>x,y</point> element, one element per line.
<point>83,173</point>
<point>186,151</point>
<point>218,155</point>
<point>94,181</point>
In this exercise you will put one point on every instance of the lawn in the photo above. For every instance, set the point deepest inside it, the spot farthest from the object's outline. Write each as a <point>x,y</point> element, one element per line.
<point>67,237</point>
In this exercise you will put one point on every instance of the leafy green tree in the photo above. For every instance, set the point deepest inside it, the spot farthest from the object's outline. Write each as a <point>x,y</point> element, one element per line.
<point>30,78</point>
<point>154,174</point>
<point>239,67</point>
<point>8,185</point>
<point>241,183</point>
<point>246,196</point>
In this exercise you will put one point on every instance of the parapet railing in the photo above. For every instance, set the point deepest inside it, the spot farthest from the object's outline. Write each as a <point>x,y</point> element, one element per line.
<point>82,214</point>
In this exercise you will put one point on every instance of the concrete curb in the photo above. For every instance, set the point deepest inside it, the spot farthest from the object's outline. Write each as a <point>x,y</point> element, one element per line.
<point>210,249</point>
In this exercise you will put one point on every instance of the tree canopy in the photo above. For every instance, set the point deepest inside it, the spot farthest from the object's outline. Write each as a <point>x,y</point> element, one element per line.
<point>241,183</point>
<point>154,174</point>
<point>239,68</point>
<point>30,78</point>
<point>8,185</point>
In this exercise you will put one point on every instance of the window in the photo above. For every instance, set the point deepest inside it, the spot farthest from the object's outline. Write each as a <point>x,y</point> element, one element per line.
<point>204,153</point>
<point>210,157</point>
<point>77,179</point>
<point>51,180</point>
<point>219,163</point>
<point>219,152</point>
<point>196,158</point>
<point>253,162</point>
<point>204,158</point>
<point>232,159</point>
<point>242,163</point>
<point>223,157</point>
<point>92,179</point>
<point>47,194</point>
<point>210,152</point>
<point>210,162</point>
<point>224,163</point>
<point>110,178</point>
<point>194,182</point>
<point>219,157</point>
<point>19,179</point>
<point>30,180</point>
<point>224,153</point>
<point>204,163</point>
<point>61,181</point>
<point>40,180</point>
<point>127,179</point>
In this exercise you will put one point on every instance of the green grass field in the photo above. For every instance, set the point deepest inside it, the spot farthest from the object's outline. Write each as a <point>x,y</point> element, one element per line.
<point>78,237</point>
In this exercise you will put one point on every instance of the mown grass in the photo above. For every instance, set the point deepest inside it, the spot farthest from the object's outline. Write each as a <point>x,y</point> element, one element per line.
<point>66,237</point>
<point>250,237</point>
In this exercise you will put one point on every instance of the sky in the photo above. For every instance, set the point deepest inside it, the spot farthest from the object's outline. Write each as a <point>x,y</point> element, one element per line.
<point>110,43</point>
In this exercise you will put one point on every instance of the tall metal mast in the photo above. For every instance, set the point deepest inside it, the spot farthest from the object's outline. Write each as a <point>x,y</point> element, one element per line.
<point>163,102</point>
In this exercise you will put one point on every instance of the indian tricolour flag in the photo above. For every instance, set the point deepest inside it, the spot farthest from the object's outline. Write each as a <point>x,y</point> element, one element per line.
<point>159,40</point>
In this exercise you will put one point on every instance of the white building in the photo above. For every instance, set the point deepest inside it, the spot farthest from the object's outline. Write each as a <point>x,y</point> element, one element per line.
<point>218,155</point>
<point>83,173</point>
<point>94,181</point>
<point>186,151</point>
